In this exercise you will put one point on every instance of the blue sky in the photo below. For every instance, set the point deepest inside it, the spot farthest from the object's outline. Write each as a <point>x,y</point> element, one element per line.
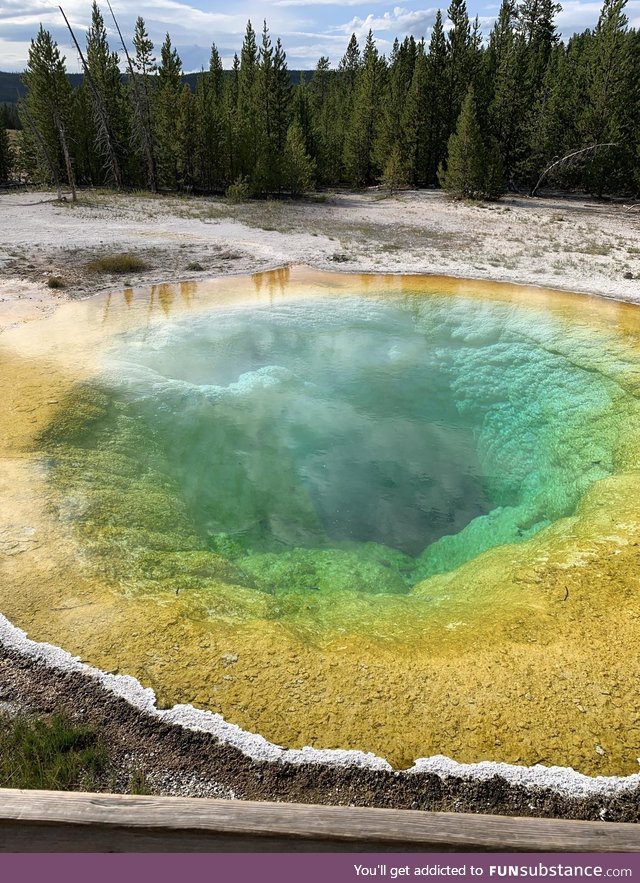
<point>308,28</point>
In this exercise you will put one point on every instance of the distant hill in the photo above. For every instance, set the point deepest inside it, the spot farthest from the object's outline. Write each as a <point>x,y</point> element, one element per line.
<point>12,87</point>
<point>9,83</point>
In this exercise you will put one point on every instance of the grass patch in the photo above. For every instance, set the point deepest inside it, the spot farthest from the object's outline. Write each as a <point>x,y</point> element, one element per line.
<point>593,248</point>
<point>53,754</point>
<point>117,263</point>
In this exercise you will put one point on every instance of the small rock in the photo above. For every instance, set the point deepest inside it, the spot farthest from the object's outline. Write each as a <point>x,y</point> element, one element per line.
<point>627,275</point>
<point>600,750</point>
<point>229,658</point>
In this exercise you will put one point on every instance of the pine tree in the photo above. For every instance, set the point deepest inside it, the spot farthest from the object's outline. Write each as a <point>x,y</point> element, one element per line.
<point>362,130</point>
<point>508,112</point>
<point>216,75</point>
<point>604,114</point>
<point>343,104</point>
<point>266,171</point>
<point>394,174</point>
<point>458,61</point>
<point>414,142</point>
<point>272,101</point>
<point>231,125</point>
<point>6,153</point>
<point>472,172</point>
<point>436,121</point>
<point>401,68</point>
<point>248,116</point>
<point>325,90</point>
<point>551,132</point>
<point>48,108</point>
<point>302,111</point>
<point>186,147</point>
<point>281,103</point>
<point>534,99</point>
<point>108,94</point>
<point>143,129</point>
<point>350,64</point>
<point>87,163</point>
<point>167,99</point>
<point>299,167</point>
<point>209,126</point>
<point>536,20</point>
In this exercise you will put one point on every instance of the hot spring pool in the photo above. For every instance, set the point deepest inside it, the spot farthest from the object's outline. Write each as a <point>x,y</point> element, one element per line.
<point>386,513</point>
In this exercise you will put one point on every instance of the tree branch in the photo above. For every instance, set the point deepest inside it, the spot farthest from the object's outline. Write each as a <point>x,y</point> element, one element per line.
<point>567,158</point>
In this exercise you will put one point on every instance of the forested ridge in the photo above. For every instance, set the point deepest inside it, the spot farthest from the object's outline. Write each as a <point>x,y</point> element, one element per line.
<point>475,116</point>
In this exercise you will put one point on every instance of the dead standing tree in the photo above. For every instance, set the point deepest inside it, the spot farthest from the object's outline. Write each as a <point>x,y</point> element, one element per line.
<point>105,137</point>
<point>568,159</point>
<point>57,121</point>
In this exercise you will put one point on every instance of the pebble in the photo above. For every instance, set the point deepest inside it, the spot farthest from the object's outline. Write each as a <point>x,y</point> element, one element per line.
<point>229,658</point>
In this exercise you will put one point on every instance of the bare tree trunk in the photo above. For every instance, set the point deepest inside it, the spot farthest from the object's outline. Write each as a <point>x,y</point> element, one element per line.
<point>142,116</point>
<point>105,139</point>
<point>567,158</point>
<point>67,159</point>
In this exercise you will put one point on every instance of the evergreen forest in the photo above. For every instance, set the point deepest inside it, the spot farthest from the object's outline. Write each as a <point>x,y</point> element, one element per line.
<point>477,116</point>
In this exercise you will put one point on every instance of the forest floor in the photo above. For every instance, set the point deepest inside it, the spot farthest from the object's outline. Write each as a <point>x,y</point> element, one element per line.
<point>572,244</point>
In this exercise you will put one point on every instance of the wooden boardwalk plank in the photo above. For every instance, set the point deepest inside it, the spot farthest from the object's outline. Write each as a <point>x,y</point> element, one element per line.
<point>50,820</point>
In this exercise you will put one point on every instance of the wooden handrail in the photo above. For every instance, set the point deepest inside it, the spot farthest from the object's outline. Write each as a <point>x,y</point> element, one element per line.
<point>56,821</point>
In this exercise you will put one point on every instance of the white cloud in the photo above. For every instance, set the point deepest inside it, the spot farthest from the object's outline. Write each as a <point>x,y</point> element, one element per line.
<point>400,21</point>
<point>308,3</point>
<point>576,15</point>
<point>308,28</point>
<point>13,54</point>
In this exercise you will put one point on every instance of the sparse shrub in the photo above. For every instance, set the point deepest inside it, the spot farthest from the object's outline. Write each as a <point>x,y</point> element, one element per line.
<point>117,263</point>
<point>394,174</point>
<point>195,266</point>
<point>239,191</point>
<point>55,282</point>
<point>138,783</point>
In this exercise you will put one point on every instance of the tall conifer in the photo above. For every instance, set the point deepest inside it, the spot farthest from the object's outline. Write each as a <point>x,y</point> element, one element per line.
<point>472,171</point>
<point>6,153</point>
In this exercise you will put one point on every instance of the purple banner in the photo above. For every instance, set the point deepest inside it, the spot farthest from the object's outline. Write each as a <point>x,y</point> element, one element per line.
<point>315,867</point>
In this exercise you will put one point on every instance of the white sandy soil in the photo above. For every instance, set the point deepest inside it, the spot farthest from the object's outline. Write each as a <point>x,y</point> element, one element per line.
<point>573,244</point>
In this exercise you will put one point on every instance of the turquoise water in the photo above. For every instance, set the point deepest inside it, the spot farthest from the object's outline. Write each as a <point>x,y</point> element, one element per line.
<point>410,433</point>
<point>287,472</point>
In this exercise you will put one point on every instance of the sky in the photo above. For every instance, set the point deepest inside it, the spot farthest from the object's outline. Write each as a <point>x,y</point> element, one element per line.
<point>307,28</point>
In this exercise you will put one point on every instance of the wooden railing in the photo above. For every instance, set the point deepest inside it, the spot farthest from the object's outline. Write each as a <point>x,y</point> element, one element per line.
<point>53,821</point>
